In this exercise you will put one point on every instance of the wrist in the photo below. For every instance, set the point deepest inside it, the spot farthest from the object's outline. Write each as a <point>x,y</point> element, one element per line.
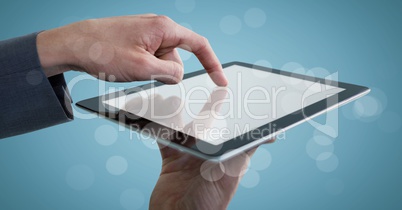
<point>53,53</point>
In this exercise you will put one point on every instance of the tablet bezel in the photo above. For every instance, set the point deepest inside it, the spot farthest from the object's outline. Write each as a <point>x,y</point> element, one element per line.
<point>240,143</point>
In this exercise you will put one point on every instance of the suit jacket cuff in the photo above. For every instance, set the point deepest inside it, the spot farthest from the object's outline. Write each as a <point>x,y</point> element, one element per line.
<point>29,100</point>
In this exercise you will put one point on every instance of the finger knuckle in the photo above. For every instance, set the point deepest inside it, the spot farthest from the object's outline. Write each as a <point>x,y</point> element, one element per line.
<point>204,43</point>
<point>162,21</point>
<point>151,14</point>
<point>141,61</point>
<point>164,18</point>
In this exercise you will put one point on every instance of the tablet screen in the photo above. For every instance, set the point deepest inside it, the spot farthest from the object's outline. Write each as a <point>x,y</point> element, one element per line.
<point>197,107</point>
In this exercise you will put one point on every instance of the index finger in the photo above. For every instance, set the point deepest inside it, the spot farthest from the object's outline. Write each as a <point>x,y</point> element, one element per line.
<point>199,45</point>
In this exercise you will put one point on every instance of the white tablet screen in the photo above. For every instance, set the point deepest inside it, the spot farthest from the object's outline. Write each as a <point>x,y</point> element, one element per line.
<point>199,108</point>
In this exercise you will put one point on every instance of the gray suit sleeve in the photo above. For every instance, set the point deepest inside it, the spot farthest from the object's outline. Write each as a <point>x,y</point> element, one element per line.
<point>28,99</point>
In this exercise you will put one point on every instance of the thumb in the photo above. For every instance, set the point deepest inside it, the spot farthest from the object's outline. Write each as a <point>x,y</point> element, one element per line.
<point>167,68</point>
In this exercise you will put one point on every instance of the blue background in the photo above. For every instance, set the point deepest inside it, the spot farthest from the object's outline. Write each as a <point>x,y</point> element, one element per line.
<point>64,167</point>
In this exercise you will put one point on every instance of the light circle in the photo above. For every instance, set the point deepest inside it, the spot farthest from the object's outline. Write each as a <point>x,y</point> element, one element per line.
<point>106,135</point>
<point>348,112</point>
<point>230,25</point>
<point>382,99</point>
<point>367,106</point>
<point>255,17</point>
<point>320,73</point>
<point>185,6</point>
<point>290,102</point>
<point>236,166</point>
<point>261,160</point>
<point>186,25</point>
<point>211,171</point>
<point>259,73</point>
<point>327,162</point>
<point>250,179</point>
<point>293,68</point>
<point>34,77</point>
<point>317,145</point>
<point>263,63</point>
<point>184,55</point>
<point>116,165</point>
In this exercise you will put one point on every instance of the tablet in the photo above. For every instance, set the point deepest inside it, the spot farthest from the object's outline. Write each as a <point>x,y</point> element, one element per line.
<point>216,123</point>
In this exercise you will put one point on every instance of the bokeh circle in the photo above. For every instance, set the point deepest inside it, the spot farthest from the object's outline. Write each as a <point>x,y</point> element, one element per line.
<point>34,77</point>
<point>230,25</point>
<point>261,159</point>
<point>211,171</point>
<point>185,6</point>
<point>255,17</point>
<point>327,162</point>
<point>116,165</point>
<point>260,73</point>
<point>367,106</point>
<point>185,55</point>
<point>106,135</point>
<point>250,179</point>
<point>319,144</point>
<point>186,25</point>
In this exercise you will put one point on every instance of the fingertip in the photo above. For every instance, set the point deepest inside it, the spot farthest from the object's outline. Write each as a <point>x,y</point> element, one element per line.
<point>219,79</point>
<point>224,82</point>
